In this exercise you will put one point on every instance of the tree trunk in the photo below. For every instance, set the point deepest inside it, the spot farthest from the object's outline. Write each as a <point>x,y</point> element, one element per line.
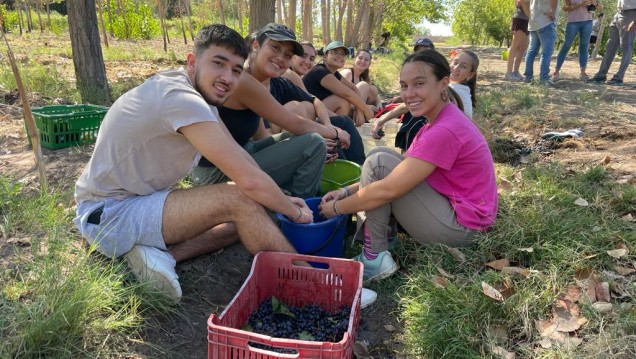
<point>101,22</point>
<point>262,12</point>
<point>599,40</point>
<point>48,14</point>
<point>307,21</point>
<point>348,39</point>
<point>187,5</point>
<point>280,9</point>
<point>365,28</point>
<point>20,20</point>
<point>239,13</point>
<point>2,22</point>
<point>357,25</point>
<point>291,16</point>
<point>29,20</point>
<point>110,19</point>
<point>185,39</point>
<point>37,11</point>
<point>122,10</point>
<point>221,12</point>
<point>88,61</point>
<point>324,21</point>
<point>162,21</point>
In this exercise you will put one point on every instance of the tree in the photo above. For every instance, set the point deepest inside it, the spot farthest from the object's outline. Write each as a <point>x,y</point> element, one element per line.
<point>262,12</point>
<point>88,60</point>
<point>308,33</point>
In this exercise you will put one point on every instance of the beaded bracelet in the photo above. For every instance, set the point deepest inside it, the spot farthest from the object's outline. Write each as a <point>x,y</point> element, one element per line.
<point>337,137</point>
<point>335,208</point>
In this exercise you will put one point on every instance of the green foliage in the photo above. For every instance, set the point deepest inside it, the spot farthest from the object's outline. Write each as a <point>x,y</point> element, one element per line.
<point>136,21</point>
<point>399,16</point>
<point>482,21</point>
<point>46,80</point>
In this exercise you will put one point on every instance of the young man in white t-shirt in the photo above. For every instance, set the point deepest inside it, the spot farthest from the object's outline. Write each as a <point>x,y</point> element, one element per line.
<point>151,138</point>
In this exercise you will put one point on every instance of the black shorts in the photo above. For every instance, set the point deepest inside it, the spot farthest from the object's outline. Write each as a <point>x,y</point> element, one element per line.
<point>593,39</point>
<point>519,24</point>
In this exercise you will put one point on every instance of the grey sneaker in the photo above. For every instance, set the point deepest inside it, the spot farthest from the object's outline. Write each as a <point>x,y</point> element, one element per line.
<point>518,76</point>
<point>381,267</point>
<point>615,82</point>
<point>511,77</point>
<point>156,267</point>
<point>548,82</point>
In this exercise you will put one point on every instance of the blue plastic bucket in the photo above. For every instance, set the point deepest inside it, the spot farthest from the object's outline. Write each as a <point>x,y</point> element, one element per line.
<point>324,237</point>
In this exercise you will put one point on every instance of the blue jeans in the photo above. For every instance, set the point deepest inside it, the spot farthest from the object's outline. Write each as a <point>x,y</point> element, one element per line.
<point>584,30</point>
<point>355,152</point>
<point>545,38</point>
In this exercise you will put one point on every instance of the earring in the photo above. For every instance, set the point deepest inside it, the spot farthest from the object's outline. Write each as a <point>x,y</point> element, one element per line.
<point>444,96</point>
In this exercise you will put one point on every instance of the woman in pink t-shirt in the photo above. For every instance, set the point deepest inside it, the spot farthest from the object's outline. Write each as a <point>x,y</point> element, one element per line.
<point>443,190</point>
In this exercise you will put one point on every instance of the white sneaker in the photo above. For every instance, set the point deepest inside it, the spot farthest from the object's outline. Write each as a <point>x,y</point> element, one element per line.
<point>156,267</point>
<point>367,297</point>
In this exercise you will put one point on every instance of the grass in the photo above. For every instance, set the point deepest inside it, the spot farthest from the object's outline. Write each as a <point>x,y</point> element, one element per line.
<point>58,299</point>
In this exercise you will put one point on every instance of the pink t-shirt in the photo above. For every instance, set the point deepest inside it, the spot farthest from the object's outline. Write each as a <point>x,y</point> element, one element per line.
<point>465,171</point>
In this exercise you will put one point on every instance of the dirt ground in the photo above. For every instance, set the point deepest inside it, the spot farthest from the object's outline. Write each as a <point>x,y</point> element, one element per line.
<point>211,281</point>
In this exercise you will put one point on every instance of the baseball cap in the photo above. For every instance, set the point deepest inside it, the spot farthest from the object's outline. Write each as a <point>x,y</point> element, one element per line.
<point>423,41</point>
<point>336,45</point>
<point>278,32</point>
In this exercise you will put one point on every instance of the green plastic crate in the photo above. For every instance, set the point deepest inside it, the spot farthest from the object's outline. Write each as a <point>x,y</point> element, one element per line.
<point>68,125</point>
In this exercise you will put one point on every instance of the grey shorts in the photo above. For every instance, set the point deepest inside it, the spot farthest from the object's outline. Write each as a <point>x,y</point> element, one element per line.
<point>115,226</point>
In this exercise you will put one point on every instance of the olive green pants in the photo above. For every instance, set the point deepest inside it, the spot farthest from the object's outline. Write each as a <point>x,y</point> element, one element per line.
<point>294,162</point>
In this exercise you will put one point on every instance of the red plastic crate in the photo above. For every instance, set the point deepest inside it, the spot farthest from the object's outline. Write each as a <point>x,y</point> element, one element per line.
<point>276,274</point>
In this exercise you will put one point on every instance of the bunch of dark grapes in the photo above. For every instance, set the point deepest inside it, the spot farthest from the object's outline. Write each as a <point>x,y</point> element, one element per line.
<point>310,322</point>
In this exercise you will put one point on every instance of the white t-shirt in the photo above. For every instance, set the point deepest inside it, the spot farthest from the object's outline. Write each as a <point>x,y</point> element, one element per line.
<point>626,4</point>
<point>138,149</point>
<point>538,19</point>
<point>464,94</point>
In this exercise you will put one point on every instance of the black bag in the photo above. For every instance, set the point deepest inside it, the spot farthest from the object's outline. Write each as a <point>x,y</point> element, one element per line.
<point>410,127</point>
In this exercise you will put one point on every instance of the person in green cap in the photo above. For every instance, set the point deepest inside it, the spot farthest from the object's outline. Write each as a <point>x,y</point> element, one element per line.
<point>336,92</point>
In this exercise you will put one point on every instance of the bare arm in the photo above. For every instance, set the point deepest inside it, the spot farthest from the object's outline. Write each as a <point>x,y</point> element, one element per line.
<point>253,95</point>
<point>228,156</point>
<point>331,83</point>
<point>295,79</point>
<point>525,5</point>
<point>408,174</point>
<point>398,111</point>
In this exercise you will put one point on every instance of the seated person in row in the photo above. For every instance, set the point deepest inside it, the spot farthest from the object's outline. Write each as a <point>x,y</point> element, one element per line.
<point>358,74</point>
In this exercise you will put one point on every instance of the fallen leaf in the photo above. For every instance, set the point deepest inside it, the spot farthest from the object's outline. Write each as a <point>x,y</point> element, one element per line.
<point>589,256</point>
<point>602,307</point>
<point>564,320</point>
<point>573,293</point>
<point>457,254</point>
<point>624,271</point>
<point>618,292</point>
<point>570,342</point>
<point>504,184</point>
<point>581,202</point>
<point>503,353</point>
<point>440,281</point>
<point>606,160</point>
<point>445,273</point>
<point>546,327</point>
<point>617,253</point>
<point>491,292</point>
<point>529,249</point>
<point>389,328</point>
<point>568,305</point>
<point>360,350</point>
<point>498,264</point>
<point>612,275</point>
<point>516,271</point>
<point>583,273</point>
<point>545,343</point>
<point>582,321</point>
<point>628,218</point>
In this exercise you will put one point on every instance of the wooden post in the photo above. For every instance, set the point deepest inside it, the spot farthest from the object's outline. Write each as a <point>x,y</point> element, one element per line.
<point>599,40</point>
<point>28,119</point>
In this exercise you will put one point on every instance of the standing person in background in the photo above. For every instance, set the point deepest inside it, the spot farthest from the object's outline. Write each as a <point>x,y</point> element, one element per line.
<point>621,34</point>
<point>519,43</point>
<point>337,93</point>
<point>423,43</point>
<point>358,74</point>
<point>542,27</point>
<point>596,27</point>
<point>579,22</point>
<point>463,79</point>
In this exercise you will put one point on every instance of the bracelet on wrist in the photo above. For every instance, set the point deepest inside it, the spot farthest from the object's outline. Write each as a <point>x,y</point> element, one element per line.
<point>337,137</point>
<point>346,191</point>
<point>300,214</point>
<point>335,208</point>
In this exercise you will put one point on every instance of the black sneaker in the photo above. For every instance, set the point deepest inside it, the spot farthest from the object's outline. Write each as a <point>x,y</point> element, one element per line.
<point>597,80</point>
<point>615,82</point>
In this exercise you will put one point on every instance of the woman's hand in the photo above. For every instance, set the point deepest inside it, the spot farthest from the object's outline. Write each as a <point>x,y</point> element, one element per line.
<point>331,145</point>
<point>343,137</point>
<point>333,195</point>
<point>376,126</point>
<point>306,214</point>
<point>358,118</point>
<point>327,208</point>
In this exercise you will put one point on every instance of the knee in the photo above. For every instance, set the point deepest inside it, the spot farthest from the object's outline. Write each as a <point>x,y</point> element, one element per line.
<point>313,144</point>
